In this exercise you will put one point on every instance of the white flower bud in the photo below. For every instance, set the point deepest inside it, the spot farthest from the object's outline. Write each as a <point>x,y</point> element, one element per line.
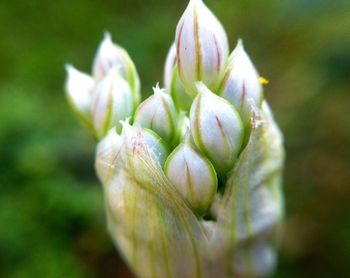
<point>241,85</point>
<point>173,84</point>
<point>202,47</point>
<point>216,128</point>
<point>193,175</point>
<point>158,113</point>
<point>112,102</point>
<point>107,155</point>
<point>110,55</point>
<point>178,93</point>
<point>144,140</point>
<point>170,63</point>
<point>79,87</point>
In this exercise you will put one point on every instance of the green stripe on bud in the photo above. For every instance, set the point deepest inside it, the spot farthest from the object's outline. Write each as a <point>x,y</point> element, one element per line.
<point>112,102</point>
<point>201,46</point>
<point>216,128</point>
<point>241,85</point>
<point>79,87</point>
<point>110,55</point>
<point>193,175</point>
<point>159,114</point>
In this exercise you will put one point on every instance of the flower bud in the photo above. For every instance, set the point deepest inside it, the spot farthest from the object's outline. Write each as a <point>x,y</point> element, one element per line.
<point>241,85</point>
<point>110,55</point>
<point>107,155</point>
<point>170,63</point>
<point>158,113</point>
<point>216,128</point>
<point>112,102</point>
<point>193,175</point>
<point>202,47</point>
<point>173,84</point>
<point>143,140</point>
<point>79,87</point>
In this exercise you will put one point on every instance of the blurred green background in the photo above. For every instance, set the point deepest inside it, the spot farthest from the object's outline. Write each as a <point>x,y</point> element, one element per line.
<point>51,205</point>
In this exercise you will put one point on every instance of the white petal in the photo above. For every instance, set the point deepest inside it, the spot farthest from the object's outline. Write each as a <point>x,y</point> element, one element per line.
<point>241,85</point>
<point>173,84</point>
<point>216,128</point>
<point>193,175</point>
<point>110,55</point>
<point>170,63</point>
<point>79,87</point>
<point>112,102</point>
<point>158,113</point>
<point>202,47</point>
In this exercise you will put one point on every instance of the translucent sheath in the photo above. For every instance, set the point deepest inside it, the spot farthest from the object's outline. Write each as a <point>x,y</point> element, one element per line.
<point>160,236</point>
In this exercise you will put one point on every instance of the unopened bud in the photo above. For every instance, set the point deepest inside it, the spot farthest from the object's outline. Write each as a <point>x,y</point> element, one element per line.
<point>79,87</point>
<point>159,114</point>
<point>110,55</point>
<point>173,84</point>
<point>144,141</point>
<point>193,175</point>
<point>112,102</point>
<point>241,85</point>
<point>216,128</point>
<point>107,155</point>
<point>202,47</point>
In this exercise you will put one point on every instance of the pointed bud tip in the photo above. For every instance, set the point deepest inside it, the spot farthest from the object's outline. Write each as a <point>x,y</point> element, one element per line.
<point>240,43</point>
<point>107,37</point>
<point>69,67</point>
<point>202,88</point>
<point>157,90</point>
<point>239,48</point>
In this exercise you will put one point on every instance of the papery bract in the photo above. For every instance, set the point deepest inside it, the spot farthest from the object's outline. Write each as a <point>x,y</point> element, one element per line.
<point>145,140</point>
<point>108,152</point>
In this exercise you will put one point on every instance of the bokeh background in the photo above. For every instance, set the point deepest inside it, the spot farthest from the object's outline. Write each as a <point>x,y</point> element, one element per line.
<point>51,205</point>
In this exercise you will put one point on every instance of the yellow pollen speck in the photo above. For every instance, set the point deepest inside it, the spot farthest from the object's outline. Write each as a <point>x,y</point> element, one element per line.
<point>263,80</point>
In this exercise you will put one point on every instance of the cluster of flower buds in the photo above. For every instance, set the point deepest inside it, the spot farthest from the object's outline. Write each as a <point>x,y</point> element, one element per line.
<point>192,175</point>
<point>108,96</point>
